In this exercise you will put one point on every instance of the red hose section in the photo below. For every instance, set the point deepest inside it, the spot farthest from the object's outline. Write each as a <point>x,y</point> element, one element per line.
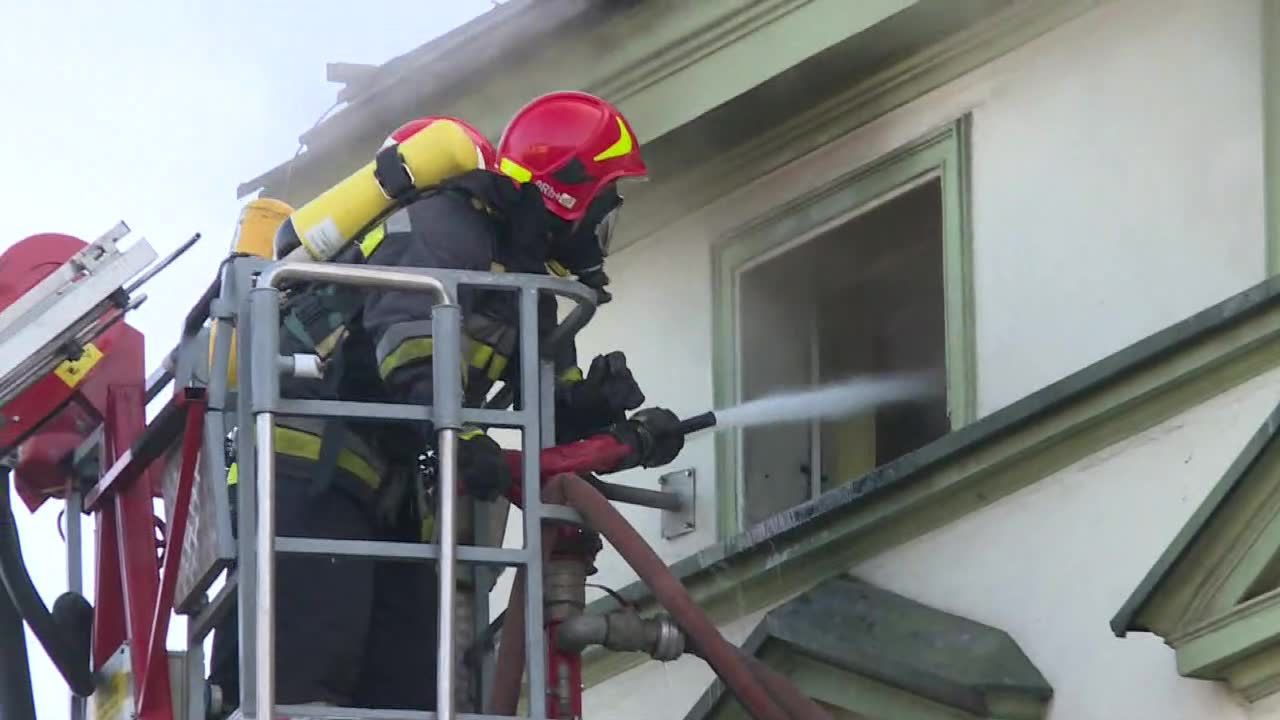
<point>767,690</point>
<point>509,669</point>
<point>601,453</point>
<point>723,658</point>
<point>505,696</point>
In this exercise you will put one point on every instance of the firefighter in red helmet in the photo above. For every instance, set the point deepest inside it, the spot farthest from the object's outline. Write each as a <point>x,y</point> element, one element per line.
<point>574,148</point>
<point>357,633</point>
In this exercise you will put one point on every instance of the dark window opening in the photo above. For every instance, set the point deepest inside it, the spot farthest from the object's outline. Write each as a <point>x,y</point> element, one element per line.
<point>864,298</point>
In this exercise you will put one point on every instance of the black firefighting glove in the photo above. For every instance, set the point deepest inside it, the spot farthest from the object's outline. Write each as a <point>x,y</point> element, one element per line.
<point>482,466</point>
<point>654,436</point>
<point>602,398</point>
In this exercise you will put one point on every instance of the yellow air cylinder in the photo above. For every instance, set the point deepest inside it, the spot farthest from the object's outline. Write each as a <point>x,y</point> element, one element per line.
<point>255,231</point>
<point>330,222</point>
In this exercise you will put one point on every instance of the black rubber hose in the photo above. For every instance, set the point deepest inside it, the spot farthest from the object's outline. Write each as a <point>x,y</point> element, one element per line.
<point>200,311</point>
<point>17,701</point>
<point>57,641</point>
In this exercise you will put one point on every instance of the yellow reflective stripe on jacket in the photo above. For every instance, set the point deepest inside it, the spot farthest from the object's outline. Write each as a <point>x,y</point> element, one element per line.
<point>572,375</point>
<point>416,350</point>
<point>497,367</point>
<point>306,446</point>
<point>372,240</point>
<point>481,356</point>
<point>411,350</point>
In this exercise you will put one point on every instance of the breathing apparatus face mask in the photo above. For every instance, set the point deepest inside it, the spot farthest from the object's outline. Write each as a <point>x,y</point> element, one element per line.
<point>582,248</point>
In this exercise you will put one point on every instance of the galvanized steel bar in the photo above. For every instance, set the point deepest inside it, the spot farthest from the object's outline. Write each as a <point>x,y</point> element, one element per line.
<point>246,460</point>
<point>406,551</point>
<point>394,412</point>
<point>265,640</point>
<point>260,390</point>
<point>321,712</point>
<point>446,331</point>
<point>203,623</point>
<point>354,275</point>
<point>534,438</point>
<point>264,310</point>
<point>75,571</point>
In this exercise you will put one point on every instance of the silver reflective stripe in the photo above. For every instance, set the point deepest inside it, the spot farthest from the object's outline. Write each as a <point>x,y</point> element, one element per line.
<point>399,222</point>
<point>398,333</point>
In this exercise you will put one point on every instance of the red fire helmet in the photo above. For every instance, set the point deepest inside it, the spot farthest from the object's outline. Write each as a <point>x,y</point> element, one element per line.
<point>570,145</point>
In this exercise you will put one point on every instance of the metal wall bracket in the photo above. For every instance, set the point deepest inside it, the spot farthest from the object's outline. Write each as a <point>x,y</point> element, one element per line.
<point>682,484</point>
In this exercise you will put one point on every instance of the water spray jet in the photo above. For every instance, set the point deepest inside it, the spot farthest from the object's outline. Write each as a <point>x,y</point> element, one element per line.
<point>835,400</point>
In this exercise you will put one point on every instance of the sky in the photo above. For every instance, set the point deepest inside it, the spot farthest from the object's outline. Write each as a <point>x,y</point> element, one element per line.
<point>152,113</point>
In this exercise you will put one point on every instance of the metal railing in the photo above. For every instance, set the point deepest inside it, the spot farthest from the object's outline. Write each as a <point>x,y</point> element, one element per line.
<point>254,308</point>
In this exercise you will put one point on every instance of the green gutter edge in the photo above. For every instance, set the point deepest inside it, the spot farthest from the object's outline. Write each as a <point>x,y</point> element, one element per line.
<point>1271,128</point>
<point>1122,623</point>
<point>861,641</point>
<point>1105,403</point>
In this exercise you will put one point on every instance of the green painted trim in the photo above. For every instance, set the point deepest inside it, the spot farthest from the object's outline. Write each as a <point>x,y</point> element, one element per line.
<point>1106,403</point>
<point>1257,675</point>
<point>1188,583</point>
<point>1253,555</point>
<point>1213,593</point>
<point>1244,631</point>
<point>1271,128</point>
<point>790,36</point>
<point>859,695</point>
<point>957,277</point>
<point>862,696</point>
<point>684,189</point>
<point>941,155</point>
<point>878,654</point>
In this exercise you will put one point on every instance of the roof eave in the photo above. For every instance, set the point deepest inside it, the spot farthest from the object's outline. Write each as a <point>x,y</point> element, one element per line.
<point>486,41</point>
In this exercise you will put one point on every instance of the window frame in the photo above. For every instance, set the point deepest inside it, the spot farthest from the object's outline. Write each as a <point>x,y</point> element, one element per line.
<point>942,154</point>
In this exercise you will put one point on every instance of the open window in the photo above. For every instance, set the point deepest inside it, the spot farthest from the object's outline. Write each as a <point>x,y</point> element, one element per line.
<point>875,282</point>
<point>862,299</point>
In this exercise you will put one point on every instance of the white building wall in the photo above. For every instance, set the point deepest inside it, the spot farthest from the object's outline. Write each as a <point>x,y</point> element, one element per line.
<point>1117,188</point>
<point>1051,565</point>
<point>1117,185</point>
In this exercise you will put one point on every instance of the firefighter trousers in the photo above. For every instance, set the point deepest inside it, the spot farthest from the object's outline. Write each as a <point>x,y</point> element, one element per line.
<point>349,631</point>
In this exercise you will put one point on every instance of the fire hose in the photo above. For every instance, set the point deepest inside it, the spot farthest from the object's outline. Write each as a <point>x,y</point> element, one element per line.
<point>64,633</point>
<point>16,698</point>
<point>765,694</point>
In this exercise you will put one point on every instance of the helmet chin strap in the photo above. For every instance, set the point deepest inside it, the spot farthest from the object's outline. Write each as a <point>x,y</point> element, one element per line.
<point>582,248</point>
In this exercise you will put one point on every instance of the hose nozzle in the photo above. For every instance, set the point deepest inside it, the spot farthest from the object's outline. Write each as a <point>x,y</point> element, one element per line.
<point>691,425</point>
